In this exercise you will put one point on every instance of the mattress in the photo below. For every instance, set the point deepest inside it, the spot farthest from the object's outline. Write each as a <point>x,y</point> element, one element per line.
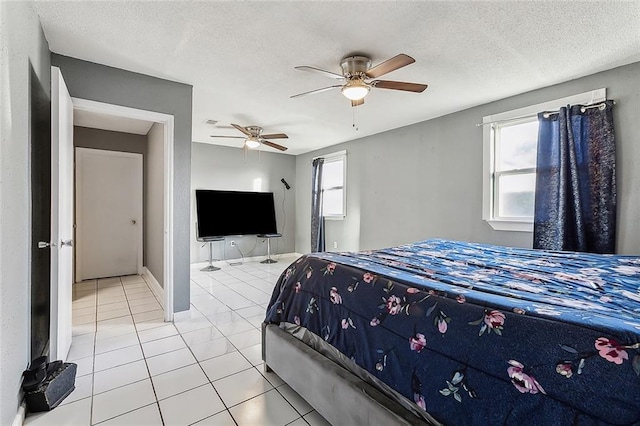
<point>480,334</point>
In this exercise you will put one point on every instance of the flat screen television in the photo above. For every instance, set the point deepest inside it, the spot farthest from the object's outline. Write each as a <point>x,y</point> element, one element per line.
<point>222,213</point>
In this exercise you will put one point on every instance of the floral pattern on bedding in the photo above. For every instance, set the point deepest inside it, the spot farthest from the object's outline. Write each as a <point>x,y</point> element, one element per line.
<point>480,334</point>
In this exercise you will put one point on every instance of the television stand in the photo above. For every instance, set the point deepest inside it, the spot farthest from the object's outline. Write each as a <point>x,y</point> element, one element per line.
<point>268,237</point>
<point>210,241</point>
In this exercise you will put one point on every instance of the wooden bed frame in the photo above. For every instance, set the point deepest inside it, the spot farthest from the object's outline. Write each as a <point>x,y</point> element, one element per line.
<point>337,394</point>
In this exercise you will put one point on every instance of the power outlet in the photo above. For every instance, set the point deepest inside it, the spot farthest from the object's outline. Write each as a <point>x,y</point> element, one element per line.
<point>232,243</point>
<point>335,244</point>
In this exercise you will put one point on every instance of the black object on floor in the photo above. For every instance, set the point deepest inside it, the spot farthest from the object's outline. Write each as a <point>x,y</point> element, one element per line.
<point>46,385</point>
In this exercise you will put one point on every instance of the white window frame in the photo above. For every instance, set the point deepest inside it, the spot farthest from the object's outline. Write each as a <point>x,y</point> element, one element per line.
<point>329,158</point>
<point>489,124</point>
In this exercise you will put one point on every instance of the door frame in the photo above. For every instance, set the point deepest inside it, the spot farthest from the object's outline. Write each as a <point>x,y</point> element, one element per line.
<point>79,154</point>
<point>168,123</point>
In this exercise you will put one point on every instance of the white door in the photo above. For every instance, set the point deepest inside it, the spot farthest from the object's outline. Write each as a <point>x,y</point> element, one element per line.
<point>108,213</point>
<point>61,216</point>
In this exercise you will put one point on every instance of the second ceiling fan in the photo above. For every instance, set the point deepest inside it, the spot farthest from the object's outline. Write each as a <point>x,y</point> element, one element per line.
<point>253,137</point>
<point>358,77</point>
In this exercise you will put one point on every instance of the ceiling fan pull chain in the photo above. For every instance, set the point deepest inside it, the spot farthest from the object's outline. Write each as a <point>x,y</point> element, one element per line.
<point>355,118</point>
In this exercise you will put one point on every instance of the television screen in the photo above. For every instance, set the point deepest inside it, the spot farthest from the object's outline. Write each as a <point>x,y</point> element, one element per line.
<point>221,213</point>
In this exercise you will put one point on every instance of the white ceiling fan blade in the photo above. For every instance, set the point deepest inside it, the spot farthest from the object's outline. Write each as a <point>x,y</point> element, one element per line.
<point>227,137</point>
<point>320,71</point>
<point>313,92</point>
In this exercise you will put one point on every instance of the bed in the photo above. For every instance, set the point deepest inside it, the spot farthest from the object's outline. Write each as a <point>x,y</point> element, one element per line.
<point>455,333</point>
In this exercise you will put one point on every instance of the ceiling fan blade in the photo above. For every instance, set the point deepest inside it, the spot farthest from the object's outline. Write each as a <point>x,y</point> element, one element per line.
<point>242,129</point>
<point>275,136</point>
<point>357,103</point>
<point>399,85</point>
<point>389,65</point>
<point>274,145</point>
<point>233,137</point>
<point>313,92</point>
<point>319,71</point>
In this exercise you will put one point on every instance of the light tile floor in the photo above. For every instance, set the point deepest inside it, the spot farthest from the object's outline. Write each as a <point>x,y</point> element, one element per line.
<point>134,369</point>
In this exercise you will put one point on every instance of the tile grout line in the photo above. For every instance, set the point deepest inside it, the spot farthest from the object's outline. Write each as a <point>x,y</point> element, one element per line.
<point>122,414</point>
<point>94,350</point>
<point>93,356</point>
<point>237,350</point>
<point>292,406</point>
<point>137,381</point>
<point>144,357</point>
<point>202,369</point>
<point>246,369</point>
<point>95,341</point>
<point>205,374</point>
<point>275,388</point>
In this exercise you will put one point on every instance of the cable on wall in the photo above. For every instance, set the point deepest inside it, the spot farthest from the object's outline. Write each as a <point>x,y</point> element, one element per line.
<point>239,251</point>
<point>253,249</point>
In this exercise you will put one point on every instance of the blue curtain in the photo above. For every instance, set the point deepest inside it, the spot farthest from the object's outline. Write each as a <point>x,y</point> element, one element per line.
<point>317,221</point>
<point>575,199</point>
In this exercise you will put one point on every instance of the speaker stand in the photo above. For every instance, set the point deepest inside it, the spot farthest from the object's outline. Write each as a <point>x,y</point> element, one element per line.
<point>268,237</point>
<point>211,268</point>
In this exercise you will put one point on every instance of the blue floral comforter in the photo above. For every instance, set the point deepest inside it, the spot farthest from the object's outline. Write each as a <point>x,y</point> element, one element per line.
<point>480,334</point>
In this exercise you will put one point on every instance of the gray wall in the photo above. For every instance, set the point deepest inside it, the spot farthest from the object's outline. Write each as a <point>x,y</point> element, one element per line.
<point>84,137</point>
<point>154,204</point>
<point>219,167</point>
<point>21,42</point>
<point>425,180</point>
<point>101,83</point>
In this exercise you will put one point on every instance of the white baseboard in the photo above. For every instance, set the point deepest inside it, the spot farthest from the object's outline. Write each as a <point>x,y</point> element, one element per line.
<point>156,288</point>
<point>20,415</point>
<point>259,258</point>
<point>182,315</point>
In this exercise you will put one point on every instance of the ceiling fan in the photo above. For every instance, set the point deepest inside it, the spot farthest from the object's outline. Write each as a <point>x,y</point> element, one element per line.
<point>253,137</point>
<point>358,77</point>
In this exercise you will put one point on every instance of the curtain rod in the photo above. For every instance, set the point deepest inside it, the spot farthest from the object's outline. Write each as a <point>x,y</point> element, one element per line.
<point>601,106</point>
<point>328,156</point>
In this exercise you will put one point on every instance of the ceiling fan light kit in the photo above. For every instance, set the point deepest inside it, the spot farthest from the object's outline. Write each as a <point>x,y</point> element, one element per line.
<point>355,90</point>
<point>252,143</point>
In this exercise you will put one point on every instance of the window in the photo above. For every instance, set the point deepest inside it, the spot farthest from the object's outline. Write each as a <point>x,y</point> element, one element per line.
<point>514,176</point>
<point>510,142</point>
<point>333,185</point>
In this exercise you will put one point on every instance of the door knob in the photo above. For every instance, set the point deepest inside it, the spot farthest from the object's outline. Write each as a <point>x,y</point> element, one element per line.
<point>133,221</point>
<point>44,244</point>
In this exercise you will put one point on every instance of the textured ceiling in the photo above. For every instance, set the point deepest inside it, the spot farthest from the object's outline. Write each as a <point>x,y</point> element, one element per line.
<point>240,56</point>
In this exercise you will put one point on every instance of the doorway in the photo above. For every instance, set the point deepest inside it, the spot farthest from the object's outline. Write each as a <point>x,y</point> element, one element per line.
<point>164,287</point>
